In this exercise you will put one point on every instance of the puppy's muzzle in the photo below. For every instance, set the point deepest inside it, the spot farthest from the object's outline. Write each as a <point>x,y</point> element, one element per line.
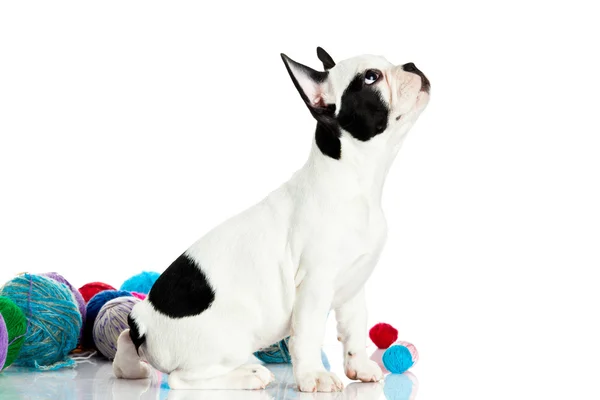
<point>411,67</point>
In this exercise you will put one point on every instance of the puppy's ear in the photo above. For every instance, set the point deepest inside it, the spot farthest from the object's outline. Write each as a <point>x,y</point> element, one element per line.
<point>312,85</point>
<point>325,58</point>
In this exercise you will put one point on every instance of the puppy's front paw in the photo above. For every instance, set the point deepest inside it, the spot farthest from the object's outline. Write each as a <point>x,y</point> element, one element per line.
<point>362,369</point>
<point>318,381</point>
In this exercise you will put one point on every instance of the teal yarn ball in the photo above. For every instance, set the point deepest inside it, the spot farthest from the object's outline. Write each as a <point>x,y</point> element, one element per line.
<point>397,359</point>
<point>140,283</point>
<point>92,310</point>
<point>53,321</point>
<point>279,353</point>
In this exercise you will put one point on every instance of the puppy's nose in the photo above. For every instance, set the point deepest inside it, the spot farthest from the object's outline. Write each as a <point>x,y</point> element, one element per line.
<point>411,67</point>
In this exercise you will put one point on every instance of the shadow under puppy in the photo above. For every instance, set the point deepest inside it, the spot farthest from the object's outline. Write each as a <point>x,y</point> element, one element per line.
<point>279,267</point>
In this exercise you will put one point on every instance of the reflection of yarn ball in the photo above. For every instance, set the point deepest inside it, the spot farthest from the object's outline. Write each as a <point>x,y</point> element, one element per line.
<point>140,296</point>
<point>383,335</point>
<point>78,297</point>
<point>93,308</point>
<point>141,283</point>
<point>53,320</point>
<point>279,353</point>
<point>110,322</point>
<point>89,290</point>
<point>16,326</point>
<point>400,387</point>
<point>400,357</point>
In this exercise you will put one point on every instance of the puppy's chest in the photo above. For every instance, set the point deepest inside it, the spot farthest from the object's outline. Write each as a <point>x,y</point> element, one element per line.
<point>352,230</point>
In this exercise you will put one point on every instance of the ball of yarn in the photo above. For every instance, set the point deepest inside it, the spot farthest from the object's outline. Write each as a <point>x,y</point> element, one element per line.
<point>400,357</point>
<point>93,308</point>
<point>3,341</point>
<point>383,335</point>
<point>140,296</point>
<point>279,353</point>
<point>110,322</point>
<point>78,297</point>
<point>141,283</point>
<point>53,320</point>
<point>16,326</point>
<point>89,290</point>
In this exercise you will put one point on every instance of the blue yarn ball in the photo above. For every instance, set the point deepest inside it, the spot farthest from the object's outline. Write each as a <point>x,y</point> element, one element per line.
<point>141,283</point>
<point>397,359</point>
<point>93,308</point>
<point>53,320</point>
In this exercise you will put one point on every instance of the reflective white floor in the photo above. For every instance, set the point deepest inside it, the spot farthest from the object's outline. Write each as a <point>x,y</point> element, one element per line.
<point>93,379</point>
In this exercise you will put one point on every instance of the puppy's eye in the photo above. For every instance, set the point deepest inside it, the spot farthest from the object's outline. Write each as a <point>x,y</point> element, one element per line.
<point>372,76</point>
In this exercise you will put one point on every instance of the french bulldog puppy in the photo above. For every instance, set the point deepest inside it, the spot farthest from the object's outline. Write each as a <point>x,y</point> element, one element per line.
<point>278,268</point>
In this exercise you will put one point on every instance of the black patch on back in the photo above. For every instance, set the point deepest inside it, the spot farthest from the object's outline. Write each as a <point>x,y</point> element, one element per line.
<point>182,290</point>
<point>134,334</point>
<point>363,113</point>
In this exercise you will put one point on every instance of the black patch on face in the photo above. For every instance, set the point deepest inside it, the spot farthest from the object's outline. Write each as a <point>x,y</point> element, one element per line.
<point>328,140</point>
<point>182,290</point>
<point>134,334</point>
<point>363,114</point>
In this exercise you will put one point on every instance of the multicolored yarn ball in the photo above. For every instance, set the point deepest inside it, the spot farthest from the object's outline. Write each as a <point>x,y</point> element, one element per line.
<point>400,357</point>
<point>89,290</point>
<point>141,283</point>
<point>110,322</point>
<point>76,295</point>
<point>93,308</point>
<point>400,386</point>
<point>140,296</point>
<point>16,325</point>
<point>383,335</point>
<point>53,321</point>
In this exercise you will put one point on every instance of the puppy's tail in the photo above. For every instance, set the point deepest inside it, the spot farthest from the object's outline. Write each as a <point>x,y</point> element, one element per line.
<point>134,332</point>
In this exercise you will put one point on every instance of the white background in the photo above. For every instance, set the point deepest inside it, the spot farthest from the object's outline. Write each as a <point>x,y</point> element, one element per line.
<point>128,129</point>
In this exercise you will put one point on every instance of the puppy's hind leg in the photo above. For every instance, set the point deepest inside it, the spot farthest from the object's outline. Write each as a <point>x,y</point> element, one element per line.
<point>248,377</point>
<point>127,363</point>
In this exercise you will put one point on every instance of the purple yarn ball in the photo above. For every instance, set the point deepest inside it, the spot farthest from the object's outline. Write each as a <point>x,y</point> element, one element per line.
<point>3,342</point>
<point>78,297</point>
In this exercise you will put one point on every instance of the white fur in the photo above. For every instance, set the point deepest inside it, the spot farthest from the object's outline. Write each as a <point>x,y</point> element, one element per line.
<point>279,267</point>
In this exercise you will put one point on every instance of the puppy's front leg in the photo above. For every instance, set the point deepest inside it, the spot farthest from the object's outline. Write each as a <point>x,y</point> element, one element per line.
<point>352,332</point>
<point>312,304</point>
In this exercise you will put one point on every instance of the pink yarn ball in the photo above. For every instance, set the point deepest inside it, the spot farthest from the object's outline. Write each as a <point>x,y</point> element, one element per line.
<point>140,296</point>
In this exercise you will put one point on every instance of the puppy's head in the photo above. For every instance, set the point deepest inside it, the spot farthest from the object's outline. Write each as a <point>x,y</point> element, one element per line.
<point>365,98</point>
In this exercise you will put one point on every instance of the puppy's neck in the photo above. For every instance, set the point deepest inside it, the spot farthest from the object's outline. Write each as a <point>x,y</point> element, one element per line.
<point>361,169</point>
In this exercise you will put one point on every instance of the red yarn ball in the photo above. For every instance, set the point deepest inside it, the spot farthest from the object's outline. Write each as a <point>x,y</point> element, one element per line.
<point>89,290</point>
<point>383,335</point>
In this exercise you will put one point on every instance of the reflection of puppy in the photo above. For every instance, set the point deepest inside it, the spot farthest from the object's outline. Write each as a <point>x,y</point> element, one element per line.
<point>219,395</point>
<point>279,267</point>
